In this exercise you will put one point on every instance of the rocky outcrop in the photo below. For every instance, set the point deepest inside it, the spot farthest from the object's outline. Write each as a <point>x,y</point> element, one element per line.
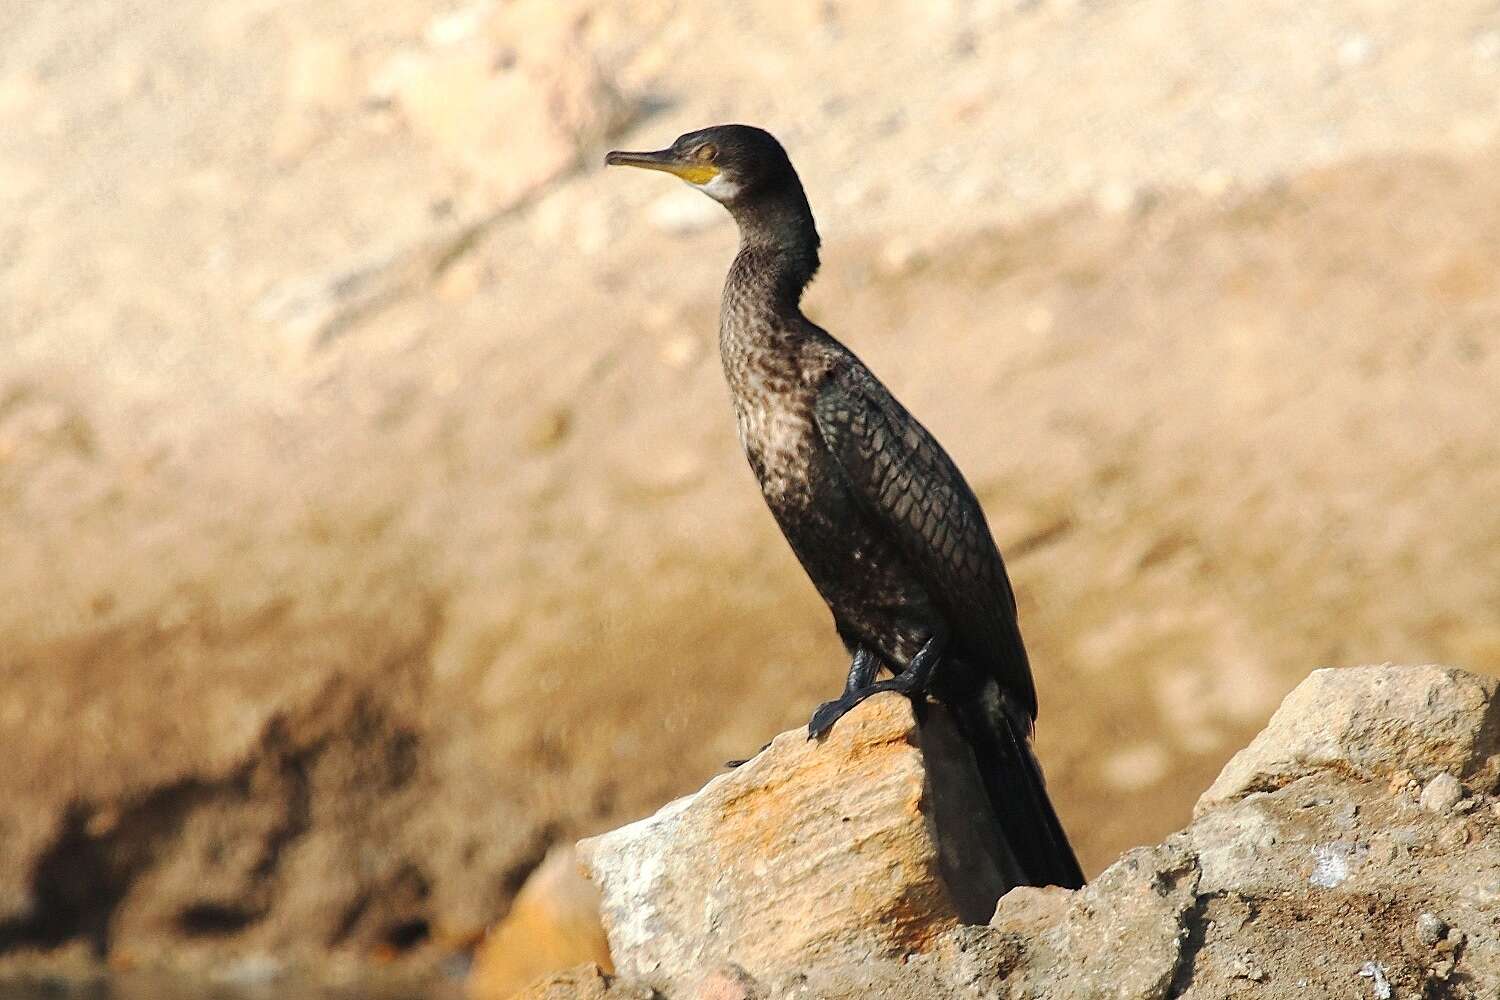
<point>1353,849</point>
<point>1422,722</point>
<point>862,845</point>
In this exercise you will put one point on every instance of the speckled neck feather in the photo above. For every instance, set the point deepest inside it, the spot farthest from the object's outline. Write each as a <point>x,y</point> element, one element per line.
<point>778,243</point>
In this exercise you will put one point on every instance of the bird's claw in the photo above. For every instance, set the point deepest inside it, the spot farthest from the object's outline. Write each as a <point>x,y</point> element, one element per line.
<point>826,715</point>
<point>911,684</point>
<point>746,760</point>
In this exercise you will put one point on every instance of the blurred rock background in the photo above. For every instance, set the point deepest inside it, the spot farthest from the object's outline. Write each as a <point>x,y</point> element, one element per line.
<point>371,518</point>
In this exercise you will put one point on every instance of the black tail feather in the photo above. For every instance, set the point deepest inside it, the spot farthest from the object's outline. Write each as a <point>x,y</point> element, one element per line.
<point>999,735</point>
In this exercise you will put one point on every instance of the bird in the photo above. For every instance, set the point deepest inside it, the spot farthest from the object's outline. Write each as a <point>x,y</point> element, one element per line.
<point>880,517</point>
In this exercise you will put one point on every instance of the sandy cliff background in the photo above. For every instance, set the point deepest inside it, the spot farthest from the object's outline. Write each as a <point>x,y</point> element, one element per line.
<point>371,517</point>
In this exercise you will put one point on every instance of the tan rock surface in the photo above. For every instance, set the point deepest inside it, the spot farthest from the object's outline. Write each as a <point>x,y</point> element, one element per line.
<point>584,982</point>
<point>812,853</point>
<point>1421,721</point>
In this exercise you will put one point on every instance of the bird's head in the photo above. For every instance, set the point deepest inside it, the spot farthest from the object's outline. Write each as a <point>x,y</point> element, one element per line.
<point>732,164</point>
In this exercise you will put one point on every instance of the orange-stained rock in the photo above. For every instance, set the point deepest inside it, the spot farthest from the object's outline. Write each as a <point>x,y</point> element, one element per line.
<point>553,925</point>
<point>867,844</point>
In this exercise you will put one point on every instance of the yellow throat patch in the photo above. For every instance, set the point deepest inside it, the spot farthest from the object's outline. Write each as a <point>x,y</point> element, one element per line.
<point>696,173</point>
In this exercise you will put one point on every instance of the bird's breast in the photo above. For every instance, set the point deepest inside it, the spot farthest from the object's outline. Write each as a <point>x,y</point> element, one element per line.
<point>778,437</point>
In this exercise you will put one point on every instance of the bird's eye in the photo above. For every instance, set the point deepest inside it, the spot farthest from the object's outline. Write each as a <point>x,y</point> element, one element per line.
<point>707,152</point>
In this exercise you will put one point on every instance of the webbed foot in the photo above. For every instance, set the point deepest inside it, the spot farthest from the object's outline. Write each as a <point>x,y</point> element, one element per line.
<point>828,713</point>
<point>911,682</point>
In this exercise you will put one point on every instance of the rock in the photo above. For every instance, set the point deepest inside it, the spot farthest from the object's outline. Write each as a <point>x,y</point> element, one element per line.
<point>1297,886</point>
<point>1375,972</point>
<point>1441,794</point>
<point>552,925</point>
<point>1027,908</point>
<point>1430,929</point>
<point>585,982</point>
<point>731,983</point>
<point>1139,904</point>
<point>862,846</point>
<point>1372,721</point>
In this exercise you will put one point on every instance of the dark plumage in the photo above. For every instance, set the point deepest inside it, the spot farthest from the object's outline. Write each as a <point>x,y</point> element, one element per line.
<point>880,517</point>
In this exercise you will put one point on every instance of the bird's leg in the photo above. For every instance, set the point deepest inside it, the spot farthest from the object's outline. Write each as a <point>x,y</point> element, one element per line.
<point>862,671</point>
<point>911,682</point>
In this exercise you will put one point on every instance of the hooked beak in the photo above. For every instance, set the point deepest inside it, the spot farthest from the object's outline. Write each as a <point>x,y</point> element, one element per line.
<point>664,160</point>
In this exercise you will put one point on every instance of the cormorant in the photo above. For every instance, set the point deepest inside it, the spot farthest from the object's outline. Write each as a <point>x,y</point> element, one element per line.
<point>878,514</point>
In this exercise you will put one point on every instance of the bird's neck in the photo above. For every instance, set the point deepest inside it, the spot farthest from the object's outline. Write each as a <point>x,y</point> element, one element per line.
<point>761,326</point>
<point>778,250</point>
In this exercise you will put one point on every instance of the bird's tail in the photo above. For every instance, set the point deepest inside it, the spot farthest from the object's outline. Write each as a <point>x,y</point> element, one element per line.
<point>999,734</point>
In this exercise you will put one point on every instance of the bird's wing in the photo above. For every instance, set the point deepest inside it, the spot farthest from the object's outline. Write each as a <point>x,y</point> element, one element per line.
<point>905,481</point>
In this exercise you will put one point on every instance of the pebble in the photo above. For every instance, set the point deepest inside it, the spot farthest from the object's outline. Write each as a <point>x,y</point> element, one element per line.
<point>1245,968</point>
<point>1430,929</point>
<point>1330,865</point>
<point>1454,836</point>
<point>1441,793</point>
<point>1376,972</point>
